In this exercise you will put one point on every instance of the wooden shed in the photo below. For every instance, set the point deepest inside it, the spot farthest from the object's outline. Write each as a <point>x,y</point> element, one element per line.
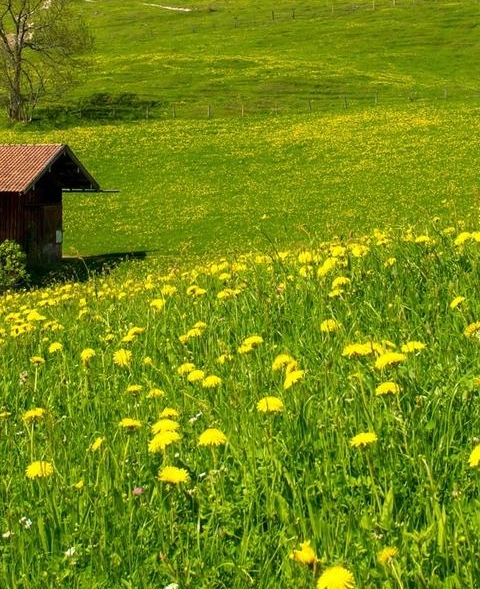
<point>32,179</point>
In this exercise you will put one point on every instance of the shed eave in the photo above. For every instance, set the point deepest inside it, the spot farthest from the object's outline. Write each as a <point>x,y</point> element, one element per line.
<point>63,149</point>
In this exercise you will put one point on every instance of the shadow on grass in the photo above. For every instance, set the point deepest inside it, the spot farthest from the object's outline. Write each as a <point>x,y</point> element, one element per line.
<point>80,268</point>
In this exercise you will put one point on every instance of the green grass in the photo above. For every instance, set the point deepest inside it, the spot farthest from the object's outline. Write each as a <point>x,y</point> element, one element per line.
<point>190,188</point>
<point>282,478</point>
<point>299,184</point>
<point>225,55</point>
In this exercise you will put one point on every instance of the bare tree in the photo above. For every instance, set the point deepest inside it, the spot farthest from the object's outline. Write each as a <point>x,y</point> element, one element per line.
<point>42,44</point>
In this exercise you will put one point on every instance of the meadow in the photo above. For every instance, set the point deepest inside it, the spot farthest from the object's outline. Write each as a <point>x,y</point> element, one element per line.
<point>190,188</point>
<point>300,419</point>
<point>283,393</point>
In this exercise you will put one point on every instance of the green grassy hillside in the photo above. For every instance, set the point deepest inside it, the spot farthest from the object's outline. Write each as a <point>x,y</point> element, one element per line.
<point>280,56</point>
<point>304,415</point>
<point>202,187</point>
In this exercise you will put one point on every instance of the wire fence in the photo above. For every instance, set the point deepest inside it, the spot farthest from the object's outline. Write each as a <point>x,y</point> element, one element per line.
<point>110,107</point>
<point>262,15</point>
<point>278,105</point>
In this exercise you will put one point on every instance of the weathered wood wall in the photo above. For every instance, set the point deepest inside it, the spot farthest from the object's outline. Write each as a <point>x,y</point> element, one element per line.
<point>32,219</point>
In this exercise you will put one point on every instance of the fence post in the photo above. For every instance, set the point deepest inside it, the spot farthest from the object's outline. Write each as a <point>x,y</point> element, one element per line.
<point>174,114</point>
<point>209,111</point>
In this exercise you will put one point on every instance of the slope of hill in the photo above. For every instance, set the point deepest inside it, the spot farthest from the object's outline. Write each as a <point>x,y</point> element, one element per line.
<point>225,58</point>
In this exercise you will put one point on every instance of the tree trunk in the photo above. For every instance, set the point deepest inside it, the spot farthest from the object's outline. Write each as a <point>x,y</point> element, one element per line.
<point>17,102</point>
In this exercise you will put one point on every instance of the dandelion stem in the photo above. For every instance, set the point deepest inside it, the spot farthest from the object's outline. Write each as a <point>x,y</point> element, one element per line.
<point>372,480</point>
<point>396,576</point>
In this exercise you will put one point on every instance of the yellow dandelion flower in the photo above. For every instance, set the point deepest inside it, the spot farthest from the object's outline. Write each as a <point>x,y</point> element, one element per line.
<point>456,301</point>
<point>129,424</point>
<point>168,290</point>
<point>281,361</point>
<point>336,577</point>
<point>78,486</point>
<point>292,377</point>
<point>185,368</point>
<point>211,381</point>
<point>250,343</point>
<point>340,281</point>
<point>306,554</point>
<point>358,350</point>
<point>164,425</point>
<point>157,304</point>
<point>363,439</point>
<point>387,388</point>
<point>474,459</point>
<point>291,366</point>
<point>136,330</point>
<point>37,360</point>
<point>329,326</point>
<point>39,469</point>
<point>253,340</point>
<point>473,330</point>
<point>336,293</point>
<point>389,262</point>
<point>195,290</point>
<point>306,271</point>
<point>212,437</point>
<point>413,346</point>
<point>194,332</point>
<point>328,265</point>
<point>386,555</point>
<point>163,439</point>
<point>228,293</point>
<point>55,347</point>
<point>462,238</point>
<point>134,389</point>
<point>196,375</point>
<point>122,357</point>
<point>420,239</point>
<point>389,359</point>
<point>224,358</point>
<point>86,355</point>
<point>358,250</point>
<point>173,475</point>
<point>148,361</point>
<point>169,412</point>
<point>33,415</point>
<point>270,404</point>
<point>35,316</point>
<point>4,414</point>
<point>305,257</point>
<point>96,445</point>
<point>155,393</point>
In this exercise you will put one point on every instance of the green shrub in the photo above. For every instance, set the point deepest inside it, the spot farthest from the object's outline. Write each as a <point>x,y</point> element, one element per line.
<point>12,265</point>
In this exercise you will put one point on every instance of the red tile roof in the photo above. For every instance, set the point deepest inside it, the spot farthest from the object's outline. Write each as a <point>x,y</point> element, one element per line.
<point>21,165</point>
